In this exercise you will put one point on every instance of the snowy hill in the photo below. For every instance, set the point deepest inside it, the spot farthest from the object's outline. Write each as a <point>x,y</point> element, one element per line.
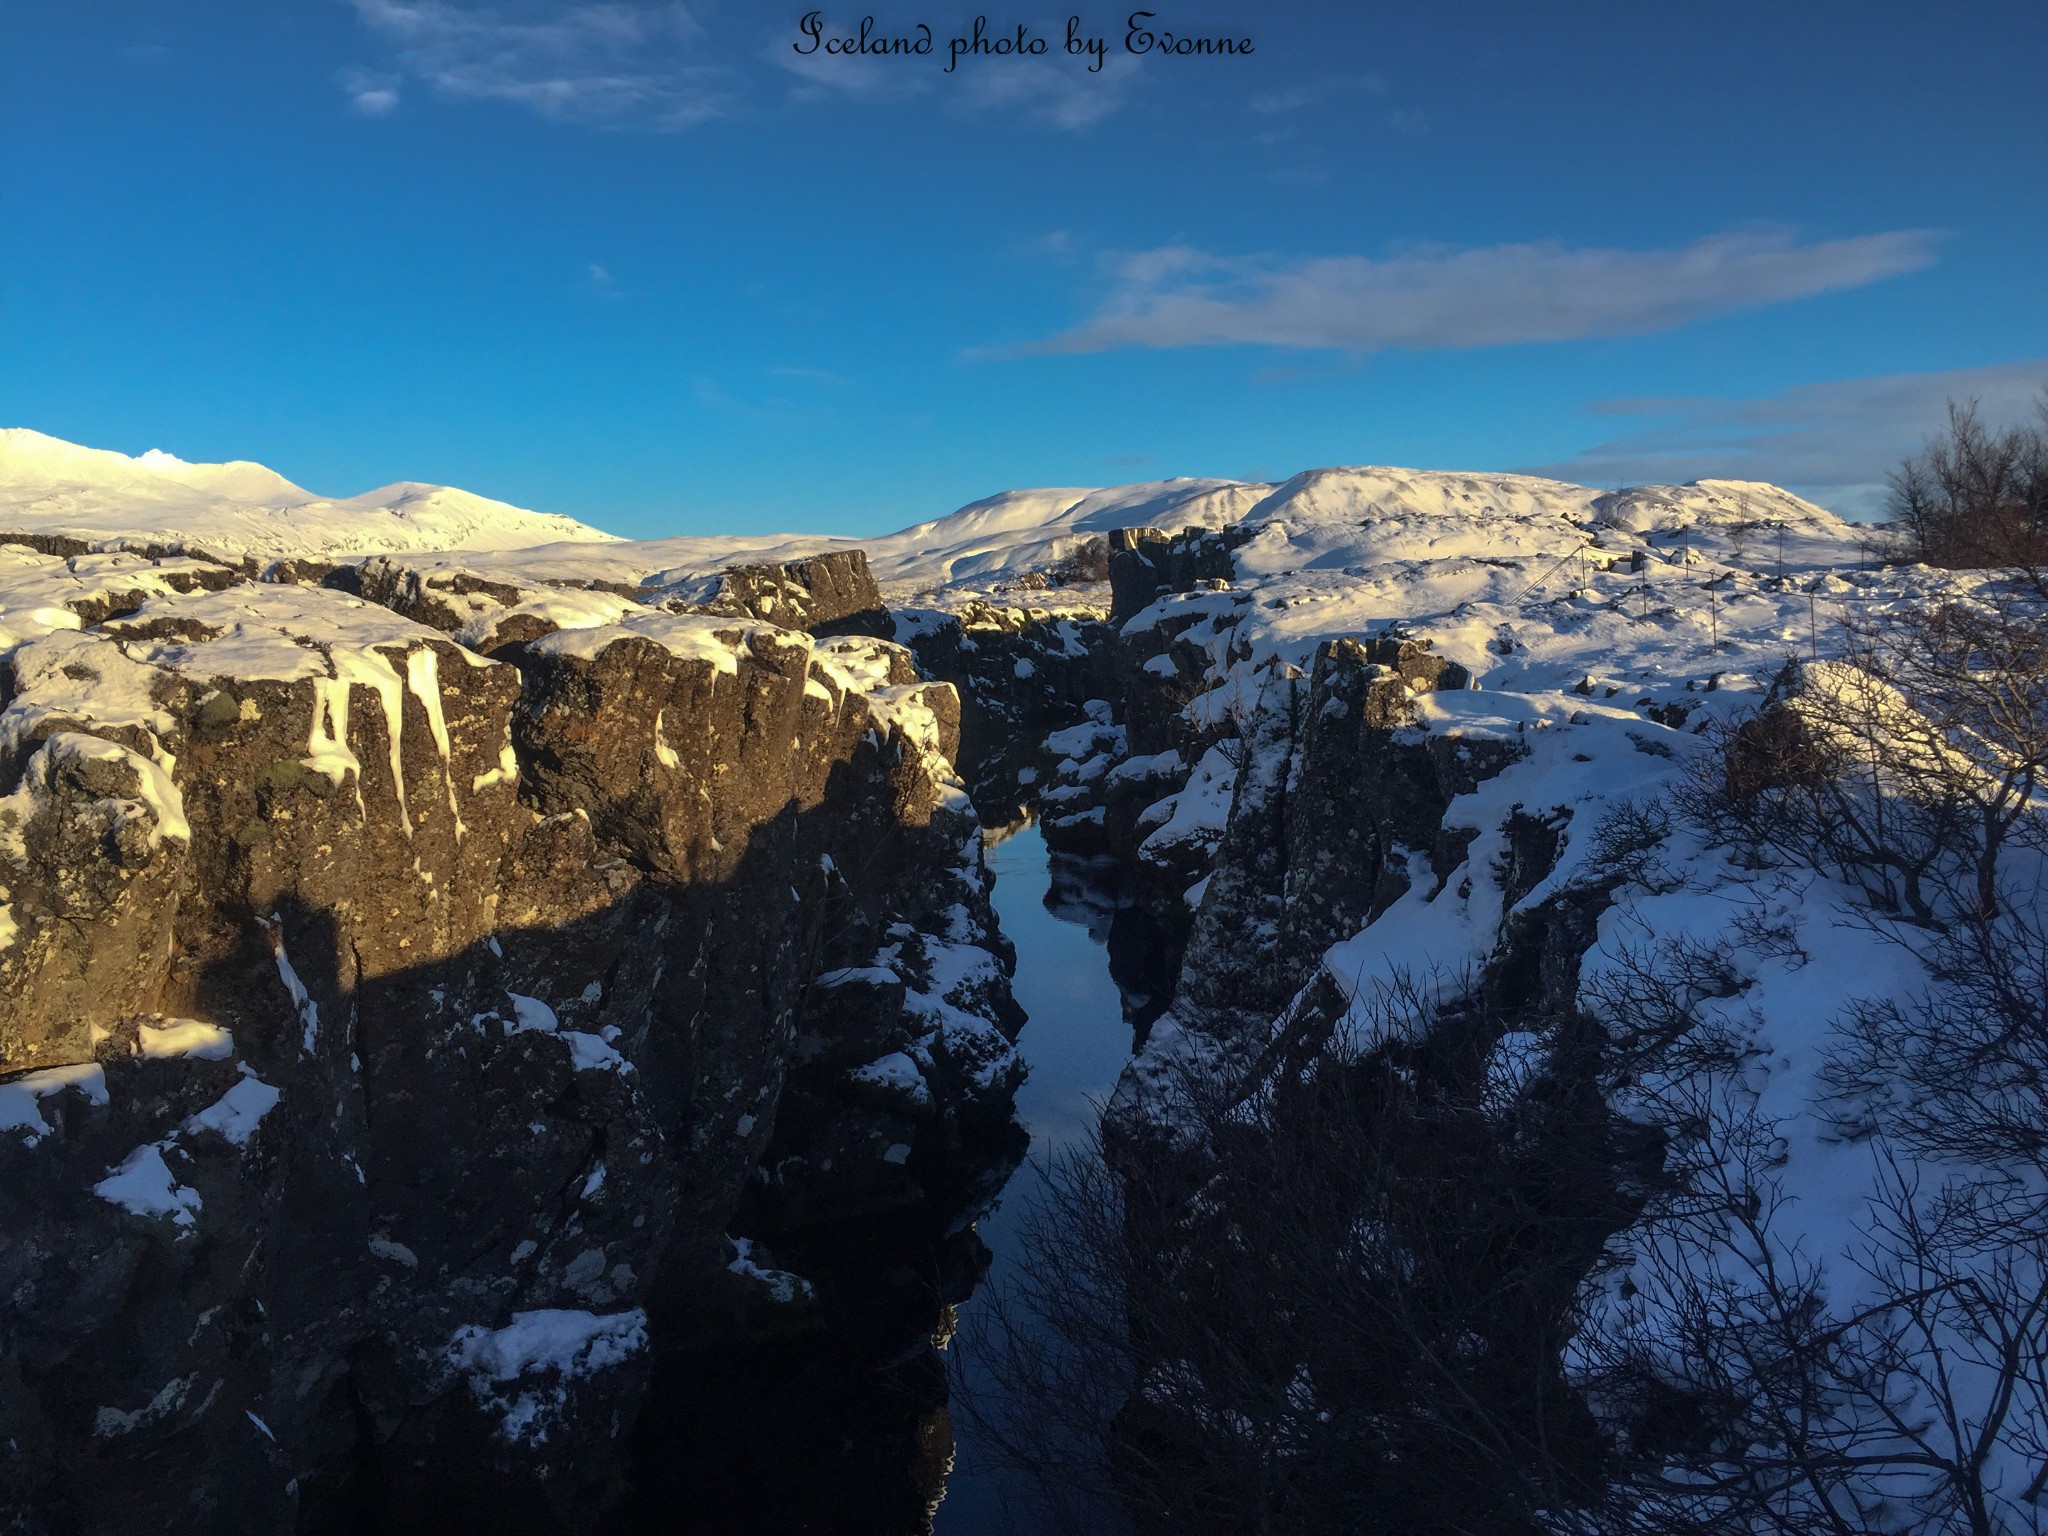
<point>1327,517</point>
<point>54,488</point>
<point>1331,517</point>
<point>984,543</point>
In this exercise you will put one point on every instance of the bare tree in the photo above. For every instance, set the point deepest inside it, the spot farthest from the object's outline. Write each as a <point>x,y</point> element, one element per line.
<point>1975,496</point>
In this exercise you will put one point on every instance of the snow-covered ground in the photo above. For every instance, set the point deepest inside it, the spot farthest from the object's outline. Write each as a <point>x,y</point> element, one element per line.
<point>1606,638</point>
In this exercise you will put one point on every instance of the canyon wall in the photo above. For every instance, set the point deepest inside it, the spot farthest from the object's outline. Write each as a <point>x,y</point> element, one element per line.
<point>419,1015</point>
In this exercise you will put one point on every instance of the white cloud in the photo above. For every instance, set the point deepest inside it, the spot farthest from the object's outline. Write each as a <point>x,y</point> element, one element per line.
<point>371,94</point>
<point>1437,297</point>
<point>612,65</point>
<point>1832,441</point>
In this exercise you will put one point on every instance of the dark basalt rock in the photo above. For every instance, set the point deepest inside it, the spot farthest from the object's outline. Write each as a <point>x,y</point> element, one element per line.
<point>443,600</point>
<point>1145,563</point>
<point>828,594</point>
<point>1022,673</point>
<point>302,571</point>
<point>149,549</point>
<point>507,987</point>
<point>1330,790</point>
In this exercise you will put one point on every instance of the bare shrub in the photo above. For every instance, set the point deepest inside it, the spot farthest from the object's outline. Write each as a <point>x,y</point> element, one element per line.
<point>1648,1007</point>
<point>1220,713</point>
<point>1360,1295</point>
<point>1908,765</point>
<point>1626,841</point>
<point>1748,1386</point>
<point>1086,563</point>
<point>1334,1307</point>
<point>1962,1071</point>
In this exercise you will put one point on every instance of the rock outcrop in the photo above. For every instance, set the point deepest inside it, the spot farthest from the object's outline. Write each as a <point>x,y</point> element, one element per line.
<point>826,594</point>
<point>400,1049</point>
<point>1022,671</point>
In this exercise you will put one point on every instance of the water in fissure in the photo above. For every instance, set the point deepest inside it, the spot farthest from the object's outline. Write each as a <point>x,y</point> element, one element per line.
<point>818,1434</point>
<point>1076,1042</point>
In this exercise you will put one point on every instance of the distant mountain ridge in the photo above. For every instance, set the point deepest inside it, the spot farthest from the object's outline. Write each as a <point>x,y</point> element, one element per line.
<point>1340,516</point>
<point>48,486</point>
<point>54,488</point>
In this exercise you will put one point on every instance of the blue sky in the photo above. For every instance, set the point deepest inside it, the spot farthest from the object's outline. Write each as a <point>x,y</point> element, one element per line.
<point>647,266</point>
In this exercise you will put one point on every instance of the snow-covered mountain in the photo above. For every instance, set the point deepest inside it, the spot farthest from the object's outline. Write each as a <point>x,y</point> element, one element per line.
<point>1364,514</point>
<point>54,488</point>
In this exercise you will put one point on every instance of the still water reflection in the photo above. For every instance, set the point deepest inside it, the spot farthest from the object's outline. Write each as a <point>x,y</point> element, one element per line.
<point>1076,1042</point>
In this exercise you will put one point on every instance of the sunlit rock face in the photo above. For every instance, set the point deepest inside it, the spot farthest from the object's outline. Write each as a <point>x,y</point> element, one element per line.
<point>1023,667</point>
<point>394,1040</point>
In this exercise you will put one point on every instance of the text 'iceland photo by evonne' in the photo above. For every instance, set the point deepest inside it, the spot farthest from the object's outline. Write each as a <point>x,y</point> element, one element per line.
<point>1192,768</point>
<point>980,41</point>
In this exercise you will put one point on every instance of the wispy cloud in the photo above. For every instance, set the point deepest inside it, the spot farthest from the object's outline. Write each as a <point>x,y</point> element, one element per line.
<point>1054,92</point>
<point>1309,93</point>
<point>1437,297</point>
<point>598,283</point>
<point>648,64</point>
<point>610,65</point>
<point>822,76</point>
<point>370,92</point>
<point>1055,245</point>
<point>820,376</point>
<point>1833,441</point>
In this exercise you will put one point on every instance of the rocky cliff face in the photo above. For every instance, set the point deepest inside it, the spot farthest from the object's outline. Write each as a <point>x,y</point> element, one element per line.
<point>399,1047</point>
<point>1465,949</point>
<point>1257,820</point>
<point>438,1003</point>
<point>1022,670</point>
